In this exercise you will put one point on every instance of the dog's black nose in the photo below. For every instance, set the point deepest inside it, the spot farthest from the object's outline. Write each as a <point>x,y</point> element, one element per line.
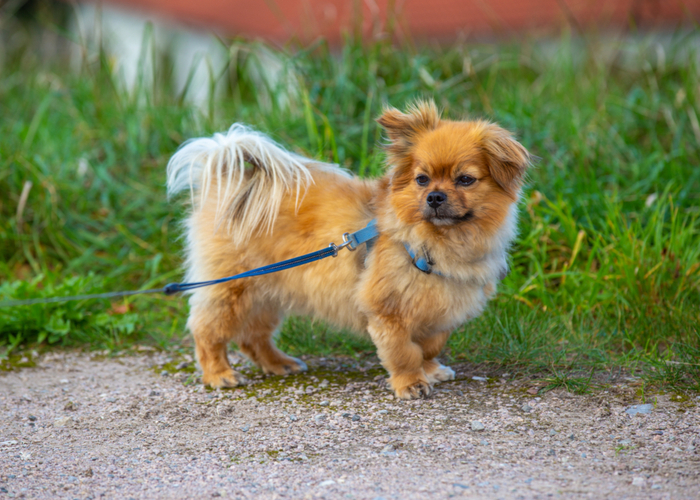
<point>436,198</point>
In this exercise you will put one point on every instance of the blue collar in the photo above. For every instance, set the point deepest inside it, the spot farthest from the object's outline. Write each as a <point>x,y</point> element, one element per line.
<point>369,234</point>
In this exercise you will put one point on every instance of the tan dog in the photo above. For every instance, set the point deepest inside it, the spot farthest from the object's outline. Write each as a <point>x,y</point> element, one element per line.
<point>450,195</point>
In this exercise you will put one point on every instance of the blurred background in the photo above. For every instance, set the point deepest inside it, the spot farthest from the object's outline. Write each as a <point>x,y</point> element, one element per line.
<point>95,98</point>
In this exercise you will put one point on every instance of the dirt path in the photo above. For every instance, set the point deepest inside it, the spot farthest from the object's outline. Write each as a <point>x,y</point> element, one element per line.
<point>75,427</point>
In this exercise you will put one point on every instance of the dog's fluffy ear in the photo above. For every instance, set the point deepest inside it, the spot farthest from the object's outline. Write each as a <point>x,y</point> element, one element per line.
<point>507,159</point>
<point>404,128</point>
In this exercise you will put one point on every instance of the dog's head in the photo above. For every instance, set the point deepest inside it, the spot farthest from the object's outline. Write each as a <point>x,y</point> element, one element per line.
<point>451,174</point>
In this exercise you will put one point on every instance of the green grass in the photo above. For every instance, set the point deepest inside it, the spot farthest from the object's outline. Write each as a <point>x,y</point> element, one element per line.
<point>605,274</point>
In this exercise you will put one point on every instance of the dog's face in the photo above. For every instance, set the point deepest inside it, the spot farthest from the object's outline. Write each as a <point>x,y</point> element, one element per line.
<point>452,174</point>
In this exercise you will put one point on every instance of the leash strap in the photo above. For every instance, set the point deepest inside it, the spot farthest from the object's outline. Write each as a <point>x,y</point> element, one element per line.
<point>350,240</point>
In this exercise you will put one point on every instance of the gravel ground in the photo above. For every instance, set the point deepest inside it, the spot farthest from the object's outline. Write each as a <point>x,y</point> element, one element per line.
<point>138,427</point>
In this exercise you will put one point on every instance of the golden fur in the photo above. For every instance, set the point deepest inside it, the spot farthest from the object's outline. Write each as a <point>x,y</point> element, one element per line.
<point>256,204</point>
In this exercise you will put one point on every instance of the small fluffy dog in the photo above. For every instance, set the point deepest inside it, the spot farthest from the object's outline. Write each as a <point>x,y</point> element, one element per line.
<point>449,197</point>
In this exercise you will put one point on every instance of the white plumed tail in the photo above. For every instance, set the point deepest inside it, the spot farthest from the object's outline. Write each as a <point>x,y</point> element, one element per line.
<point>247,202</point>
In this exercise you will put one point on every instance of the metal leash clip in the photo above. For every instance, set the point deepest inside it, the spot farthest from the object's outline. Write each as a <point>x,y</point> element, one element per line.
<point>347,243</point>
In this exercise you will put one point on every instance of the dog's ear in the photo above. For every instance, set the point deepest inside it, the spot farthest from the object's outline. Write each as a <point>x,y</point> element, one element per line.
<point>507,159</point>
<point>404,128</point>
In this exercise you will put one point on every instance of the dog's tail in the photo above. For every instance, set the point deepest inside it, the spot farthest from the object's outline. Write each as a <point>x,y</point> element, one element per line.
<point>248,173</point>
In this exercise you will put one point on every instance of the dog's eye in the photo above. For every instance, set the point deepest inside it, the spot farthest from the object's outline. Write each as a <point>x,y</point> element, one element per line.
<point>465,180</point>
<point>422,180</point>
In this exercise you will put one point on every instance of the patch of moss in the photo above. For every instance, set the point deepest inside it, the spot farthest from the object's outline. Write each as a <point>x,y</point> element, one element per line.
<point>17,362</point>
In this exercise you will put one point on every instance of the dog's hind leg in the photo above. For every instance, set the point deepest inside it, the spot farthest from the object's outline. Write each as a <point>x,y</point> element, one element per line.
<point>215,318</point>
<point>434,370</point>
<point>255,341</point>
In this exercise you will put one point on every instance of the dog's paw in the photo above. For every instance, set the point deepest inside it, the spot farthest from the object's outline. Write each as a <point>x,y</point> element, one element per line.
<point>228,378</point>
<point>286,367</point>
<point>415,390</point>
<point>440,373</point>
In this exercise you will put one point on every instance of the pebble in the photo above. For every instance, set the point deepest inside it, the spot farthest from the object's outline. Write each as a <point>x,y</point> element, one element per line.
<point>328,482</point>
<point>389,450</point>
<point>355,418</point>
<point>182,366</point>
<point>320,418</point>
<point>480,379</point>
<point>63,422</point>
<point>324,403</point>
<point>642,409</point>
<point>324,383</point>
<point>477,426</point>
<point>526,408</point>
<point>639,481</point>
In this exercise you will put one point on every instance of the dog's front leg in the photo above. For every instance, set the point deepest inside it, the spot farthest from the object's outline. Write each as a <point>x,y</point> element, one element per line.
<point>401,356</point>
<point>432,346</point>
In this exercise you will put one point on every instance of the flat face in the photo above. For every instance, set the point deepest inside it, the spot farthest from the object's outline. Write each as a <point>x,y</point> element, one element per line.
<point>447,180</point>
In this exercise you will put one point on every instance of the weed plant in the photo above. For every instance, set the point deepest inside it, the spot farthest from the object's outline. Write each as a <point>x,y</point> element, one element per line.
<point>605,274</point>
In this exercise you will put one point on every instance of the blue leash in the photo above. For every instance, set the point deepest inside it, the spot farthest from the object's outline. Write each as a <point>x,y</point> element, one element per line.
<point>350,241</point>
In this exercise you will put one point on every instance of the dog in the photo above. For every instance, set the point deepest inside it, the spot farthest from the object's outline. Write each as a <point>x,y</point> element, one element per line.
<point>449,198</point>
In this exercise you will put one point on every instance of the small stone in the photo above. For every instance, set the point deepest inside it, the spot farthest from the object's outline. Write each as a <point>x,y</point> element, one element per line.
<point>324,383</point>
<point>655,486</point>
<point>70,406</point>
<point>164,373</point>
<point>625,442</point>
<point>182,366</point>
<point>32,418</point>
<point>63,422</point>
<point>477,426</point>
<point>552,432</point>
<point>245,428</point>
<point>154,393</point>
<point>552,453</point>
<point>324,403</point>
<point>526,408</point>
<point>328,482</point>
<point>111,400</point>
<point>639,409</point>
<point>320,418</point>
<point>355,418</point>
<point>639,481</point>
<point>483,442</point>
<point>480,379</point>
<point>389,450</point>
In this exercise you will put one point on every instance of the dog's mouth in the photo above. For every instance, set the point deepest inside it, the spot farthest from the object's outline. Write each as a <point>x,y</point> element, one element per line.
<point>441,219</point>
